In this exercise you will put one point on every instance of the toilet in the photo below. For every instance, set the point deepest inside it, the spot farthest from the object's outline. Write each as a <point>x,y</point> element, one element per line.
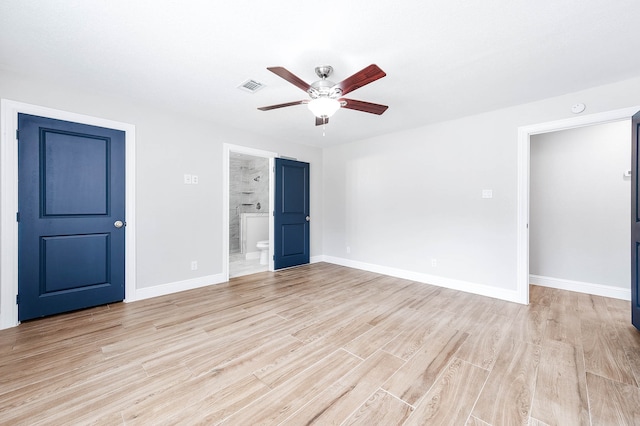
<point>263,246</point>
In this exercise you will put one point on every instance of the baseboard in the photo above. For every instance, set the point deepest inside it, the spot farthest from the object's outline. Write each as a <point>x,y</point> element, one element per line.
<point>466,286</point>
<point>169,288</point>
<point>252,255</point>
<point>581,287</point>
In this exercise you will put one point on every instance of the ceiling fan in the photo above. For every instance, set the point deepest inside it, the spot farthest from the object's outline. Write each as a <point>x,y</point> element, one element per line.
<point>326,96</point>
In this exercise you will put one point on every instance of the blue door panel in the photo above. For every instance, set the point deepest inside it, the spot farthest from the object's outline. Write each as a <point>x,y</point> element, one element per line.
<point>71,190</point>
<point>76,174</point>
<point>293,240</point>
<point>73,262</point>
<point>291,213</point>
<point>294,197</point>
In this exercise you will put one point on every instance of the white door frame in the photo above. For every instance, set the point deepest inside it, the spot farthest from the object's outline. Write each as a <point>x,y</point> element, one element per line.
<point>226,150</point>
<point>9,199</point>
<point>524,152</point>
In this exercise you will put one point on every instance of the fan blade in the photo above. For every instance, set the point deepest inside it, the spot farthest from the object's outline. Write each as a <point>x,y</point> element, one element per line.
<point>290,77</point>
<point>321,121</point>
<point>361,78</point>
<point>270,107</point>
<point>363,106</point>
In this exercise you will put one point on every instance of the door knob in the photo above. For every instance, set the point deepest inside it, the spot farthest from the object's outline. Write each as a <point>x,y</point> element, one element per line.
<point>118,224</point>
<point>307,218</point>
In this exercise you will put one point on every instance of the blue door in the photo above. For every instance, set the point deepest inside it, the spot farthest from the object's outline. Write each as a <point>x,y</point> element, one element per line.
<point>635,221</point>
<point>71,188</point>
<point>291,214</point>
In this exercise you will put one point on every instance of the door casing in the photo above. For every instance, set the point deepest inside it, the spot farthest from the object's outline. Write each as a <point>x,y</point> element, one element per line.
<point>9,199</point>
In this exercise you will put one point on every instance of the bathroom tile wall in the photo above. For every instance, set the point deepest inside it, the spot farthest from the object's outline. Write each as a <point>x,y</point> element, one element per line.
<point>248,192</point>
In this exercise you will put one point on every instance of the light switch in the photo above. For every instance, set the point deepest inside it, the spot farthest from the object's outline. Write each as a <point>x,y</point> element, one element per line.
<point>487,193</point>
<point>187,179</point>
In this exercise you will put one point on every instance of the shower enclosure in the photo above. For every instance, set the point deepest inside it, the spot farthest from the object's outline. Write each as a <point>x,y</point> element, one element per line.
<point>248,192</point>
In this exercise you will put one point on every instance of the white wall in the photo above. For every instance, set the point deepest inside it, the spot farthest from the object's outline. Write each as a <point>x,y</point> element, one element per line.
<point>402,199</point>
<point>176,223</point>
<point>580,203</point>
<point>396,200</point>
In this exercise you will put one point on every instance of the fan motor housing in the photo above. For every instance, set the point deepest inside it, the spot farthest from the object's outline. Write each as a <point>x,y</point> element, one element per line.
<point>324,88</point>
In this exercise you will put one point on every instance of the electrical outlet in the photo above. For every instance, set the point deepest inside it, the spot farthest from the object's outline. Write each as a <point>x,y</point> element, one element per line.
<point>194,179</point>
<point>348,249</point>
<point>194,265</point>
<point>434,263</point>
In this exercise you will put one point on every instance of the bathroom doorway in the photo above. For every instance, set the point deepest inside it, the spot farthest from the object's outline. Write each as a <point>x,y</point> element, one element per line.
<point>249,202</point>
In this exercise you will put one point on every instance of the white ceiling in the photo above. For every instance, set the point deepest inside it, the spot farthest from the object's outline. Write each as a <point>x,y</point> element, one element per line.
<point>443,58</point>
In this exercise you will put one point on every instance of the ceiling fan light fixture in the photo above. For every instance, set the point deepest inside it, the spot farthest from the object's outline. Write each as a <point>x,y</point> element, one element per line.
<point>326,96</point>
<point>323,107</point>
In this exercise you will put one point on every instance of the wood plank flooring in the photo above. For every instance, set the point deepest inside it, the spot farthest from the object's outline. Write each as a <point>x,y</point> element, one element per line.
<point>324,344</point>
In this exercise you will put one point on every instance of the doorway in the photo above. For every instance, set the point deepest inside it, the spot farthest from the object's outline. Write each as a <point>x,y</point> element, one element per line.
<point>579,209</point>
<point>248,214</point>
<point>9,199</point>
<point>247,202</point>
<point>524,135</point>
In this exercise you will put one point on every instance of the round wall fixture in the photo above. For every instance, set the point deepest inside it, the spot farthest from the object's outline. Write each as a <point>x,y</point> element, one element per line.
<point>578,108</point>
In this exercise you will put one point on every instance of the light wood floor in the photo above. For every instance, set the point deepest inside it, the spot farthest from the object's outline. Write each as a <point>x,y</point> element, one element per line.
<point>327,345</point>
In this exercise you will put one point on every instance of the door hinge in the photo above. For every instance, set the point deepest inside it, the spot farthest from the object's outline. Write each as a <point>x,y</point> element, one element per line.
<point>17,134</point>
<point>17,216</point>
<point>17,299</point>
